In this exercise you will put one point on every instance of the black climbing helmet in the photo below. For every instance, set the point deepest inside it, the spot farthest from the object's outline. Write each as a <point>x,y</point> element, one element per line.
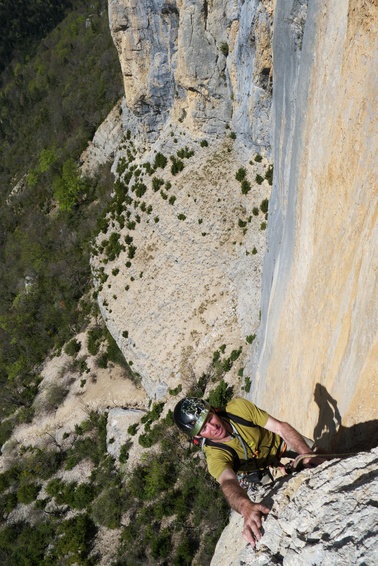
<point>190,415</point>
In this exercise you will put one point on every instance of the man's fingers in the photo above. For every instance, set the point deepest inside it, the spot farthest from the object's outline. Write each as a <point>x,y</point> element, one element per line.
<point>253,525</point>
<point>263,509</point>
<point>247,534</point>
<point>252,533</point>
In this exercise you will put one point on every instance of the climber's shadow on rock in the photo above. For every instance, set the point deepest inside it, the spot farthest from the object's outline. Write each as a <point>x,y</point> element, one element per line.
<point>331,434</point>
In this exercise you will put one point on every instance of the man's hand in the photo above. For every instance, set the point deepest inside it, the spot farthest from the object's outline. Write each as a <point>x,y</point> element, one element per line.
<point>311,462</point>
<point>238,499</point>
<point>253,522</point>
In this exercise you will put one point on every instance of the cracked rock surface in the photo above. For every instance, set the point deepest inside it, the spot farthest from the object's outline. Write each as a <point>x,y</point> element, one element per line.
<point>327,516</point>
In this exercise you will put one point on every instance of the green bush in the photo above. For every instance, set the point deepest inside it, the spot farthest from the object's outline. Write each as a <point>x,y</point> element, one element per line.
<point>69,188</point>
<point>176,390</point>
<point>73,347</point>
<point>157,182</point>
<point>22,543</point>
<point>75,540</point>
<point>8,502</point>
<point>42,464</point>
<point>185,153</point>
<point>177,165</point>
<point>124,452</point>
<point>28,492</point>
<point>6,429</point>
<point>269,174</point>
<point>95,336</point>
<point>161,545</point>
<point>259,179</point>
<point>264,206</point>
<point>160,161</point>
<point>133,428</point>
<point>55,395</point>
<point>247,384</point>
<point>153,414</point>
<point>249,339</point>
<point>241,174</point>
<point>235,354</point>
<point>113,247</point>
<point>221,395</point>
<point>140,189</point>
<point>245,187</point>
<point>224,48</point>
<point>107,509</point>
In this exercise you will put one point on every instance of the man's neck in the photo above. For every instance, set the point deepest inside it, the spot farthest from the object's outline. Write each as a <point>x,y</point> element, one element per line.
<point>228,428</point>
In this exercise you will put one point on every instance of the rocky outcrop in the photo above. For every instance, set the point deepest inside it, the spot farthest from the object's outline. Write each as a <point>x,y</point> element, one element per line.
<point>102,148</point>
<point>326,516</point>
<point>206,65</point>
<point>118,423</point>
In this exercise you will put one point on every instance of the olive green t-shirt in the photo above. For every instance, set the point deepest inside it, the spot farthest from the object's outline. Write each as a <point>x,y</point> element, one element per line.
<point>261,444</point>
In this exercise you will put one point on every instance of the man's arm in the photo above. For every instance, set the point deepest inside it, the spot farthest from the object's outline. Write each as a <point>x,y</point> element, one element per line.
<point>239,501</point>
<point>292,439</point>
<point>289,434</point>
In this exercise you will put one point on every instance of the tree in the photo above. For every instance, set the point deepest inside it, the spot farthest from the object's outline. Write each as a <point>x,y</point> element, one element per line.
<point>69,188</point>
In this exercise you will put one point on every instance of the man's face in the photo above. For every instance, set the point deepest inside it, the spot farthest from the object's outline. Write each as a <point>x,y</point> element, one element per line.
<point>213,428</point>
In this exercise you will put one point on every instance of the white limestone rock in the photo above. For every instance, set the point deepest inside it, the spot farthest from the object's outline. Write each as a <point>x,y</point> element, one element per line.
<point>117,426</point>
<point>327,516</point>
<point>104,144</point>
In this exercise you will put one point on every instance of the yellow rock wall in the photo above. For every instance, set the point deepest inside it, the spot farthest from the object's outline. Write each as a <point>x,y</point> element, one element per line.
<point>318,360</point>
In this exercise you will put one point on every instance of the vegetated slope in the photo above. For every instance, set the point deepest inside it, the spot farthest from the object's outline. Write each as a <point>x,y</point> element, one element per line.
<point>178,265</point>
<point>65,495</point>
<point>58,493</point>
<point>49,110</point>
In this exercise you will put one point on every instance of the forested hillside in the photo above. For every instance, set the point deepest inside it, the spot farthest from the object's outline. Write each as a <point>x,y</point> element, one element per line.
<point>55,93</point>
<point>51,103</point>
<point>25,22</point>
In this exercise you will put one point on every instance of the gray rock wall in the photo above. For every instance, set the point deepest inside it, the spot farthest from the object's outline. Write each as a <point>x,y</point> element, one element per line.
<point>205,65</point>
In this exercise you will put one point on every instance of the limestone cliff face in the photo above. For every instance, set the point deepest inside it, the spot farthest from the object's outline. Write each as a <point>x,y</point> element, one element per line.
<point>206,64</point>
<point>204,69</point>
<point>325,517</point>
<point>318,346</point>
<point>197,81</point>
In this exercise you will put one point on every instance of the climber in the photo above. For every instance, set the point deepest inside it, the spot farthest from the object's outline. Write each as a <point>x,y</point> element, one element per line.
<point>239,442</point>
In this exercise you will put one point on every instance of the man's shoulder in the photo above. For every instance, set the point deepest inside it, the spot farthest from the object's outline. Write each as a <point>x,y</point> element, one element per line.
<point>247,410</point>
<point>238,404</point>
